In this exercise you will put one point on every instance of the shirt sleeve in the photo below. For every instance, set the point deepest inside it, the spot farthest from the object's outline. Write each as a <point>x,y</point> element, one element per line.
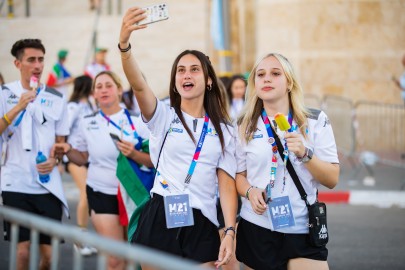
<point>62,125</point>
<point>227,161</point>
<point>78,141</point>
<point>324,140</point>
<point>240,154</point>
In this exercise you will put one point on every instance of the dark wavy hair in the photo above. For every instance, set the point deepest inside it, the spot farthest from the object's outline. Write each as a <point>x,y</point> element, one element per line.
<point>18,48</point>
<point>230,83</point>
<point>214,104</point>
<point>82,87</point>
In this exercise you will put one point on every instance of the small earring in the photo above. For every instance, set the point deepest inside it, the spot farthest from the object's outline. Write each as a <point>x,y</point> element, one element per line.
<point>288,90</point>
<point>209,87</point>
<point>175,90</point>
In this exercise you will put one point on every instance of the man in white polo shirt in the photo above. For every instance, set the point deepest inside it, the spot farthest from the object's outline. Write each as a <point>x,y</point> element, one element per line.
<point>33,118</point>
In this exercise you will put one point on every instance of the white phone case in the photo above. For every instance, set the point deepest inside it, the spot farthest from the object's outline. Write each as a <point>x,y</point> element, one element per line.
<point>155,13</point>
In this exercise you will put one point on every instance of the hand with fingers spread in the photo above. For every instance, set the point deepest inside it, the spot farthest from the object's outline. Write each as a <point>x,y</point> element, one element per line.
<point>295,144</point>
<point>257,200</point>
<point>129,24</point>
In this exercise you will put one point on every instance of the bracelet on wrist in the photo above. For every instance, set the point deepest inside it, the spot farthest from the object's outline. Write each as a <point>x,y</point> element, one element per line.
<point>5,117</point>
<point>230,229</point>
<point>247,192</point>
<point>126,49</point>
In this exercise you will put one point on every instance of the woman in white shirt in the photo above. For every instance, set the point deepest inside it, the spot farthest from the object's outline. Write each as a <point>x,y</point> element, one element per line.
<point>93,143</point>
<point>192,145</point>
<point>279,239</point>
<point>236,89</point>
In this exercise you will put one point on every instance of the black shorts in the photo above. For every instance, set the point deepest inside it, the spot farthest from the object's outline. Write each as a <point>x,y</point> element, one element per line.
<point>44,205</point>
<point>260,248</point>
<point>220,214</point>
<point>101,203</point>
<point>199,242</point>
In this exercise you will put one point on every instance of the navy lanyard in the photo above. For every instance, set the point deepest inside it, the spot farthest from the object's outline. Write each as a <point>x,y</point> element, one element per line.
<point>136,136</point>
<point>197,150</point>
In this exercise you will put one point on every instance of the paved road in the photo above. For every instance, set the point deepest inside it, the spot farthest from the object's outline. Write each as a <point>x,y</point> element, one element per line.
<point>362,237</point>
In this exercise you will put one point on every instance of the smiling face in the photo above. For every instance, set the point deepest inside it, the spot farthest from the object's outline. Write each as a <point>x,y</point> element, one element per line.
<point>190,82</point>
<point>106,91</point>
<point>270,81</point>
<point>31,63</point>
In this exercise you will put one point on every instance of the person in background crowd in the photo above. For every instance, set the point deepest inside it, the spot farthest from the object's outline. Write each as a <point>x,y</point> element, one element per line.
<point>99,63</point>
<point>60,77</point>
<point>264,240</point>
<point>192,145</point>
<point>93,144</point>
<point>129,100</point>
<point>236,89</point>
<point>79,106</point>
<point>33,118</point>
<point>401,82</point>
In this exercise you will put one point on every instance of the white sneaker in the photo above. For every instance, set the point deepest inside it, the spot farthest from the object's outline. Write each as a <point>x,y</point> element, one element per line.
<point>83,250</point>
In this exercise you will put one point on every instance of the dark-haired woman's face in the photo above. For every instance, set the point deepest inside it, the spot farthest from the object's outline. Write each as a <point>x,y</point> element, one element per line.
<point>238,89</point>
<point>190,82</point>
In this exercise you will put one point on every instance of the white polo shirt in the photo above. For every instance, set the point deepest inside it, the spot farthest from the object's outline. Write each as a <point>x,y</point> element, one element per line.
<point>177,154</point>
<point>94,137</point>
<point>19,174</point>
<point>76,111</point>
<point>255,158</point>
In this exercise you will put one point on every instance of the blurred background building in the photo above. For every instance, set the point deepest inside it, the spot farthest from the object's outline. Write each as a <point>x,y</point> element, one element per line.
<point>341,47</point>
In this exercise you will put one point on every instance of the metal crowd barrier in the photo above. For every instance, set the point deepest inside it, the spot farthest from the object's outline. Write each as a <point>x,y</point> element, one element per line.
<point>341,115</point>
<point>381,129</point>
<point>133,254</point>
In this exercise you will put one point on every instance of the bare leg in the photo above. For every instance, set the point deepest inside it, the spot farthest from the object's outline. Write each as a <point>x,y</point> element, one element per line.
<point>46,255</point>
<point>307,264</point>
<point>23,255</point>
<point>79,175</point>
<point>108,225</point>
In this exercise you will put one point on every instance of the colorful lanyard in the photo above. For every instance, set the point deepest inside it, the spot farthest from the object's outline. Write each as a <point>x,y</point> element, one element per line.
<point>18,121</point>
<point>197,150</point>
<point>273,168</point>
<point>136,136</point>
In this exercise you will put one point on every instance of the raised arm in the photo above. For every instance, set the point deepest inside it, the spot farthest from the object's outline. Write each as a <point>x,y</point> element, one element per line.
<point>144,95</point>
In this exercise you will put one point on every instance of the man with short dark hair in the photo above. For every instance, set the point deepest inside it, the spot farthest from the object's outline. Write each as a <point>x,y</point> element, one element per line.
<point>33,118</point>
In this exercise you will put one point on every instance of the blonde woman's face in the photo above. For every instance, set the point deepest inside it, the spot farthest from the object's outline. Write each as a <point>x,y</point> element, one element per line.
<point>270,80</point>
<point>106,91</point>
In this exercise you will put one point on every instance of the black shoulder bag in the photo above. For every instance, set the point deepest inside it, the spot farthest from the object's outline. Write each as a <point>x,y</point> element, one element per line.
<point>318,228</point>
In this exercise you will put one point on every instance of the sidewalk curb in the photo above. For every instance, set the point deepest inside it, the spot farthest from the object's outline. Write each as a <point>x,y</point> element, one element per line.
<point>383,198</point>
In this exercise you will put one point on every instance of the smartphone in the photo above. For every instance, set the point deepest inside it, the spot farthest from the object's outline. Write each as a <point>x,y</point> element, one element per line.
<point>115,138</point>
<point>155,13</point>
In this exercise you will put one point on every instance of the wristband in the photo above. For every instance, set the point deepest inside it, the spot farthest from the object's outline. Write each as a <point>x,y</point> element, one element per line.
<point>126,49</point>
<point>247,192</point>
<point>5,117</point>
<point>230,229</point>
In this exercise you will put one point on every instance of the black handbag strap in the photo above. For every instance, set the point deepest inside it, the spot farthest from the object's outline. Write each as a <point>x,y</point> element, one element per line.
<point>290,169</point>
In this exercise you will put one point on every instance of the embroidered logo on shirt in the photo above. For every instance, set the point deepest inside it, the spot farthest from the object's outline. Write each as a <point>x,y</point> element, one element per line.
<point>177,130</point>
<point>12,99</point>
<point>212,132</point>
<point>93,125</point>
<point>46,102</point>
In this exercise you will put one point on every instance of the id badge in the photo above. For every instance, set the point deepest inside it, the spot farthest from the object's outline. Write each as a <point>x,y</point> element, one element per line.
<point>4,153</point>
<point>178,211</point>
<point>280,212</point>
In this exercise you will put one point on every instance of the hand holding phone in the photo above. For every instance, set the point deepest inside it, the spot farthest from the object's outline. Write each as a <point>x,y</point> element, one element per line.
<point>115,139</point>
<point>155,13</point>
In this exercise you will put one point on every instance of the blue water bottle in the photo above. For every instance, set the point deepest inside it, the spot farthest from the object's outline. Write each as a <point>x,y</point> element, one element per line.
<point>44,178</point>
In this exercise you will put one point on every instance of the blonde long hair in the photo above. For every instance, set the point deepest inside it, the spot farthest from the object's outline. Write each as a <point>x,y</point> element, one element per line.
<point>254,105</point>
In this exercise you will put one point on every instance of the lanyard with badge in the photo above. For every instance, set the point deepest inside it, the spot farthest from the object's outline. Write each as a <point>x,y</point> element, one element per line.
<point>279,209</point>
<point>136,136</point>
<point>11,133</point>
<point>178,211</point>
